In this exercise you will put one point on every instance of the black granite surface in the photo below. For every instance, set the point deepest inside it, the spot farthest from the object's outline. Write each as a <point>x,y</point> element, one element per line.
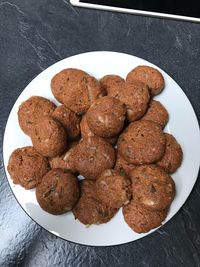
<point>36,34</point>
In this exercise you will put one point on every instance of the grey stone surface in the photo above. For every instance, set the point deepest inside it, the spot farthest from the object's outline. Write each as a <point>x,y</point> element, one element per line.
<point>36,34</point>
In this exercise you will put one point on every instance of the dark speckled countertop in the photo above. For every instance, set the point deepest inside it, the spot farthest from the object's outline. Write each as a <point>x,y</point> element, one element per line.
<point>36,34</point>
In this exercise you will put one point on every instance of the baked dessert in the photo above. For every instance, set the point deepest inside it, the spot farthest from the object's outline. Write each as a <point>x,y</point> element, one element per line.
<point>106,117</point>
<point>94,155</point>
<point>76,89</point>
<point>69,120</point>
<point>140,219</point>
<point>136,97</point>
<point>152,187</point>
<point>113,189</point>
<point>113,85</point>
<point>142,142</point>
<point>66,161</point>
<point>32,110</point>
<point>156,113</point>
<point>49,137</point>
<point>173,155</point>
<point>148,75</point>
<point>27,167</point>
<point>58,192</point>
<point>89,210</point>
<point>122,166</point>
<point>86,132</point>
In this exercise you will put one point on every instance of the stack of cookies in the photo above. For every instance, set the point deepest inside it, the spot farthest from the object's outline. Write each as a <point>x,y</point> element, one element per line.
<point>109,131</point>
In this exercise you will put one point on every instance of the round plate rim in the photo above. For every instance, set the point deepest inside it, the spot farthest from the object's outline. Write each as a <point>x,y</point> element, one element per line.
<point>56,64</point>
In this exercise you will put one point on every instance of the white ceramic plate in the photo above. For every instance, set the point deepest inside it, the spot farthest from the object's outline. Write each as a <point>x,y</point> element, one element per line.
<point>182,124</point>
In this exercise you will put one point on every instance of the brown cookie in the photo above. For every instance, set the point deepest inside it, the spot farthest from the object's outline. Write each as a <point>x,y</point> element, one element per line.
<point>113,189</point>
<point>156,113</point>
<point>173,155</point>
<point>58,192</point>
<point>69,120</point>
<point>26,167</point>
<point>32,110</point>
<point>88,188</point>
<point>67,161</point>
<point>122,166</point>
<point>148,75</point>
<point>136,98</point>
<point>89,210</point>
<point>94,155</point>
<point>142,142</point>
<point>152,187</point>
<point>113,85</point>
<point>141,220</point>
<point>86,132</point>
<point>49,137</point>
<point>135,95</point>
<point>76,89</point>
<point>61,81</point>
<point>106,116</point>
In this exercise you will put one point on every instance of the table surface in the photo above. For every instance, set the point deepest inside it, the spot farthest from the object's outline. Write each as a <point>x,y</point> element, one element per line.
<point>36,34</point>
